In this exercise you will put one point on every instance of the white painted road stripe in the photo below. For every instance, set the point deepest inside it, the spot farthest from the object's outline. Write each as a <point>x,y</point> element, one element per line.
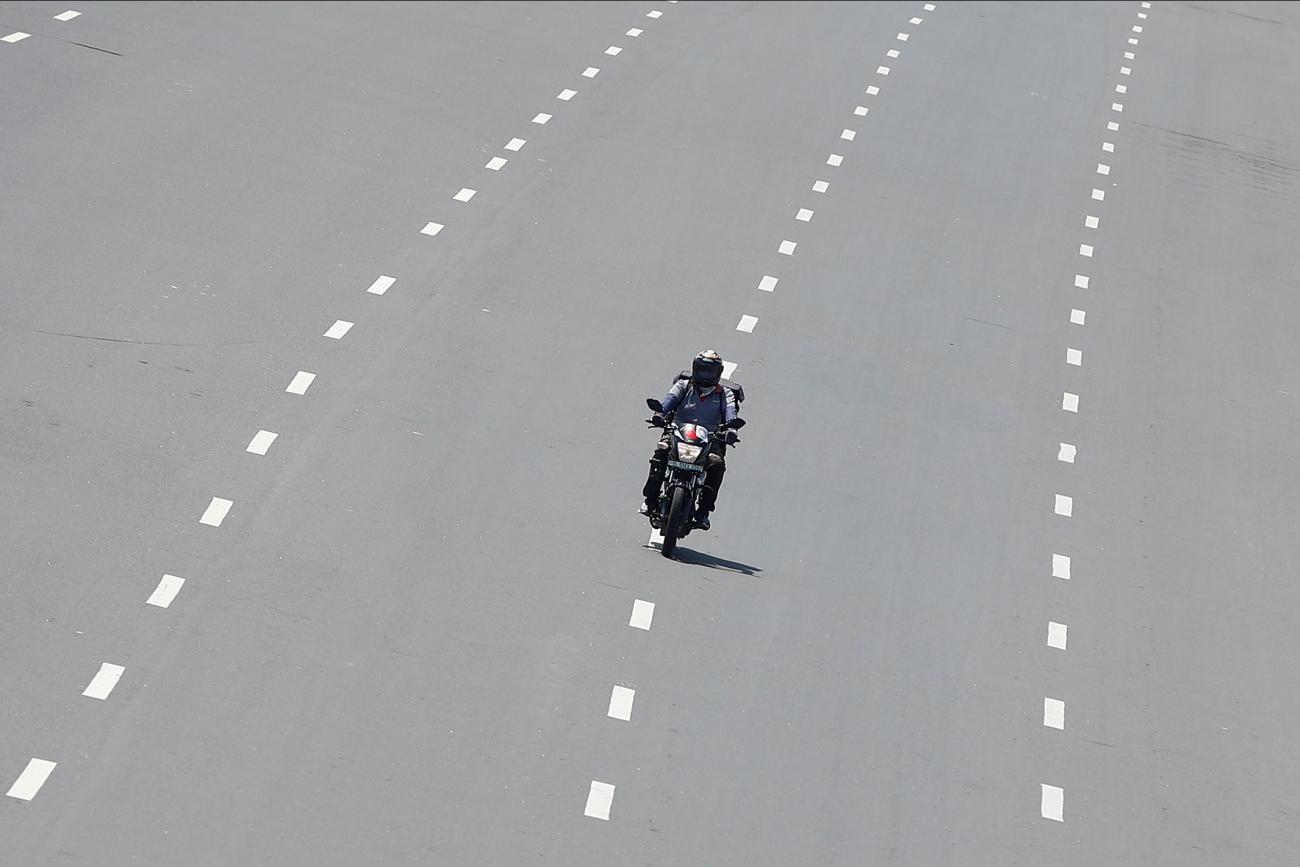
<point>465,194</point>
<point>1074,356</point>
<point>166,591</point>
<point>786,248</point>
<point>1108,147</point>
<point>1090,221</point>
<point>613,51</point>
<point>541,117</point>
<point>1085,250</point>
<point>872,90</point>
<point>882,70</point>
<point>820,186</point>
<point>260,442</point>
<point>1080,281</point>
<point>635,32</point>
<point>1066,453</point>
<point>29,782</point>
<point>590,72</point>
<point>1128,55</point>
<point>1115,106</point>
<point>431,229</point>
<point>566,94</point>
<point>1121,88</point>
<point>892,53</point>
<point>804,215</point>
<point>216,512</point>
<point>642,613</point>
<point>1103,169</point>
<point>1064,506</point>
<point>104,681</point>
<point>861,110</point>
<point>1053,803</point>
<point>928,7</point>
<point>496,163</point>
<point>834,160</point>
<point>1070,402</point>
<point>848,135</point>
<point>768,283</point>
<point>17,36</point>
<point>728,368</point>
<point>381,285</point>
<point>747,323</point>
<point>902,37</point>
<point>915,21</point>
<point>1112,126</point>
<point>67,16</point>
<point>1054,713</point>
<point>1099,195</point>
<point>1056,635</point>
<point>1061,566</point>
<point>1077,316</point>
<point>1125,70</point>
<point>652,14</point>
<point>338,329</point>
<point>600,798</point>
<point>516,143</point>
<point>302,380</point>
<point>620,703</point>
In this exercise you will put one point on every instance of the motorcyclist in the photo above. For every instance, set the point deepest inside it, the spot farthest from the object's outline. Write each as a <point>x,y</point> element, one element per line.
<point>698,400</point>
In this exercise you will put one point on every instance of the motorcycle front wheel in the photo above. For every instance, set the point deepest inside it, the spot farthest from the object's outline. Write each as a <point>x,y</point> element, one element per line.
<point>677,509</point>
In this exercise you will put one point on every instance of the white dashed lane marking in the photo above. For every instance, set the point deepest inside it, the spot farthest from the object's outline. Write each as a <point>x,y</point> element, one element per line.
<point>166,591</point>
<point>465,194</point>
<point>861,111</point>
<point>566,94</point>
<point>1124,70</point>
<point>1056,635</point>
<point>516,143</point>
<point>1121,88</point>
<point>728,368</point>
<point>1137,28</point>
<point>496,163</point>
<point>848,135</point>
<point>1074,356</point>
<point>820,186</point>
<point>1064,506</point>
<point>1077,316</point>
<point>260,442</point>
<point>541,117</point>
<point>786,248</point>
<point>620,703</point>
<point>834,160</point>
<point>1129,55</point>
<point>882,70</point>
<point>1103,169</point>
<point>768,283</point>
<point>1115,106</point>
<point>1108,147</point>
<point>747,323</point>
<point>431,229</point>
<point>872,90</point>
<point>1080,281</point>
<point>1061,567</point>
<point>1070,402</point>
<point>29,782</point>
<point>590,72</point>
<point>653,14</point>
<point>1099,195</point>
<point>635,32</point>
<point>928,7</point>
<point>1066,453</point>
<point>642,614</point>
<point>1053,803</point>
<point>67,16</point>
<point>301,381</point>
<point>1090,222</point>
<point>338,329</point>
<point>1113,126</point>
<point>892,53</point>
<point>613,51</point>
<point>915,21</point>
<point>381,285</point>
<point>216,512</point>
<point>599,800</point>
<point>1054,713</point>
<point>104,680</point>
<point>902,37</point>
<point>804,215</point>
<point>18,36</point>
<point>1085,250</point>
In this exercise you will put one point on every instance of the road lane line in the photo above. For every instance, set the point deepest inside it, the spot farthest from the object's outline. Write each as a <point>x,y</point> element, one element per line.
<point>747,323</point>
<point>1054,713</point>
<point>892,53</point>
<point>786,248</point>
<point>1099,195</point>
<point>1056,635</point>
<point>928,7</point>
<point>1090,222</point>
<point>301,381</point>
<point>635,32</point>
<point>820,186</point>
<point>1070,402</point>
<point>541,117</point>
<point>381,285</point>
<point>260,442</point>
<point>1132,41</point>
<point>216,512</point>
<point>1137,28</point>
<point>1080,281</point>
<point>465,194</point>
<point>1128,55</point>
<point>915,21</point>
<point>599,800</point>
<point>1108,147</point>
<point>653,14</point>
<point>1085,250</point>
<point>431,229</point>
<point>1121,88</point>
<point>1142,15</point>
<point>166,591</point>
<point>338,329</point>
<point>516,143</point>
<point>67,16</point>
<point>642,614</point>
<point>1115,106</point>
<point>1066,453</point>
<point>1103,169</point>
<point>1125,70</point>
<point>590,72</point>
<point>496,163</point>
<point>834,160</point>
<point>1053,803</point>
<point>768,283</point>
<point>1113,126</point>
<point>882,70</point>
<point>104,680</point>
<point>1061,567</point>
<point>613,51</point>
<point>620,703</point>
<point>16,36</point>
<point>902,37</point>
<point>872,90</point>
<point>1074,357</point>
<point>29,782</point>
<point>566,94</point>
<point>861,111</point>
<point>804,215</point>
<point>848,135</point>
<point>728,368</point>
<point>1077,316</point>
<point>1064,506</point>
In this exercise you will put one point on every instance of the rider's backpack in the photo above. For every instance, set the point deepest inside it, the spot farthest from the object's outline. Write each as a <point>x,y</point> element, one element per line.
<point>736,389</point>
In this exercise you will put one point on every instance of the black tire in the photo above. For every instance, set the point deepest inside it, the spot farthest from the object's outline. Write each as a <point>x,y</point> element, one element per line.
<point>677,509</point>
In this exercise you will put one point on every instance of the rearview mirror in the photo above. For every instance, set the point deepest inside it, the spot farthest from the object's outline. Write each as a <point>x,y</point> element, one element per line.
<point>736,423</point>
<point>654,404</point>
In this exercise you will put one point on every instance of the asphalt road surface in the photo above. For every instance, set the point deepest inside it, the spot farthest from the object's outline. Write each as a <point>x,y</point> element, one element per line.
<point>1004,569</point>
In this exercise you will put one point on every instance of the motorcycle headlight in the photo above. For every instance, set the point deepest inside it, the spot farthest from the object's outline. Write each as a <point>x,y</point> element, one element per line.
<point>687,452</point>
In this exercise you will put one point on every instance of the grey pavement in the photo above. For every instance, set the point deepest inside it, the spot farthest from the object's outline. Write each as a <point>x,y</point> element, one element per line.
<point>399,646</point>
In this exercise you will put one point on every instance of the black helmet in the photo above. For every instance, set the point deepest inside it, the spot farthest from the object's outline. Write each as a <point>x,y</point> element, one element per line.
<point>706,369</point>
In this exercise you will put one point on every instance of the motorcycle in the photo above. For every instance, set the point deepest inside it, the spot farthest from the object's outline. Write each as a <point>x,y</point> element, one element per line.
<point>688,453</point>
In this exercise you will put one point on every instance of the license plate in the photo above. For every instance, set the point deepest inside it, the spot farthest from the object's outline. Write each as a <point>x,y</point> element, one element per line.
<point>690,468</point>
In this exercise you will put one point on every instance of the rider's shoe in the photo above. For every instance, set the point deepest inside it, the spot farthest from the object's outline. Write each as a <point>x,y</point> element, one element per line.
<point>649,507</point>
<point>701,519</point>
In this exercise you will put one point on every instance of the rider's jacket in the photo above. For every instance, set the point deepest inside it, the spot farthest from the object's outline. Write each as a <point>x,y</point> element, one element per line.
<point>709,410</point>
